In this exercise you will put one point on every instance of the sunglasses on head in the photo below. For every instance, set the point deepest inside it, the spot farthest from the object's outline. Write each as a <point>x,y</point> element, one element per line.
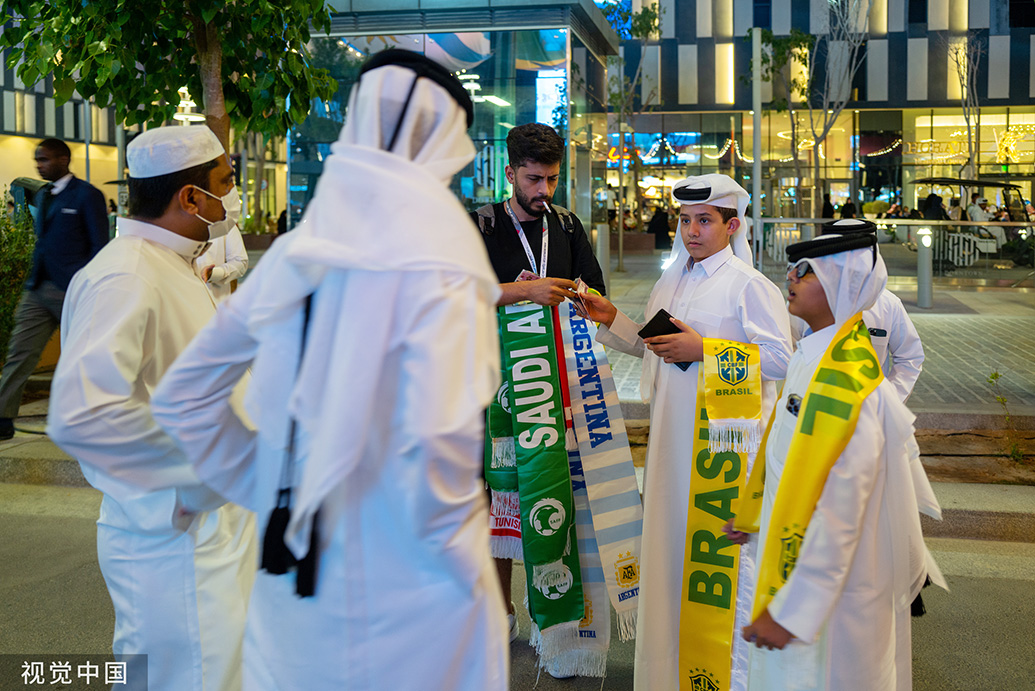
<point>801,269</point>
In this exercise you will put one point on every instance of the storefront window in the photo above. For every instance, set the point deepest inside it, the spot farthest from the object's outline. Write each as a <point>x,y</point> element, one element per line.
<point>514,77</point>
<point>934,143</point>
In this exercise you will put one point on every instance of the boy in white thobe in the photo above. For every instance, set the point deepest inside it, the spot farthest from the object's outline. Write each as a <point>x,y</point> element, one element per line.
<point>894,338</point>
<point>840,619</point>
<point>388,393</point>
<point>712,291</point>
<point>177,559</point>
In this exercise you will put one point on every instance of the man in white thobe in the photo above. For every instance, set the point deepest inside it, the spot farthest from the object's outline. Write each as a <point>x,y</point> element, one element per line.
<point>177,559</point>
<point>376,421</point>
<point>842,618</point>
<point>223,263</point>
<point>714,292</point>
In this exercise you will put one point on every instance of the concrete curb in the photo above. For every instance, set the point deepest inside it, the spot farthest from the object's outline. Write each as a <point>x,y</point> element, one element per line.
<point>925,420</point>
<point>1002,526</point>
<point>35,471</point>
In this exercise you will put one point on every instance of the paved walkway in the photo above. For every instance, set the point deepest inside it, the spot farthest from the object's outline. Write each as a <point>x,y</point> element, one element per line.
<point>56,603</point>
<point>50,580</point>
<point>969,333</point>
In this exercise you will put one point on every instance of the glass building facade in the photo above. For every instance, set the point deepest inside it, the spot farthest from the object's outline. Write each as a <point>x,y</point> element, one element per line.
<point>515,76</point>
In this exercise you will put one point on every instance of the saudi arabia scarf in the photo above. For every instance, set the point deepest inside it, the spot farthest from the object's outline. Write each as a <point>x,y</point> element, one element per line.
<point>608,511</point>
<point>544,499</point>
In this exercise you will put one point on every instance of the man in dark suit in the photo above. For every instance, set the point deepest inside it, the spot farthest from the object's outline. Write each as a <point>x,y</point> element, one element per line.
<point>71,227</point>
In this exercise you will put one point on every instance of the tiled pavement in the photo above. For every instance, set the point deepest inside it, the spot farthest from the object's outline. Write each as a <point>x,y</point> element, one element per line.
<point>966,335</point>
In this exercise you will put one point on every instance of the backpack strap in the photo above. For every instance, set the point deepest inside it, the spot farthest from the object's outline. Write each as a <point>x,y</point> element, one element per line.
<point>486,217</point>
<point>566,218</point>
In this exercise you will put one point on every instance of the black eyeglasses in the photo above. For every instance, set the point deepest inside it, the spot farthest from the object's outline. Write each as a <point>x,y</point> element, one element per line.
<point>801,269</point>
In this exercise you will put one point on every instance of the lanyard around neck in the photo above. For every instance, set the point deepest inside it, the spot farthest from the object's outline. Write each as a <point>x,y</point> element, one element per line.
<point>544,254</point>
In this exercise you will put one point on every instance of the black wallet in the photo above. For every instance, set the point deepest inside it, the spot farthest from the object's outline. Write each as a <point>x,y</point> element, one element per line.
<point>660,325</point>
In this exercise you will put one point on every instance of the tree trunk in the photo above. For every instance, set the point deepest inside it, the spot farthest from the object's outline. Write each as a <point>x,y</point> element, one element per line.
<point>210,68</point>
<point>621,192</point>
<point>257,152</point>
<point>797,163</point>
<point>817,193</point>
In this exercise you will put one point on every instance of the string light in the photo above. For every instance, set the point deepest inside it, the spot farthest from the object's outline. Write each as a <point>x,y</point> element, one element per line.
<point>725,148</point>
<point>887,149</point>
<point>742,157</point>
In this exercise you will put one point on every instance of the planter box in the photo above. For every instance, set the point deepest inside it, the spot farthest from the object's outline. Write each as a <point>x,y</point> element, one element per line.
<point>633,243</point>
<point>258,242</point>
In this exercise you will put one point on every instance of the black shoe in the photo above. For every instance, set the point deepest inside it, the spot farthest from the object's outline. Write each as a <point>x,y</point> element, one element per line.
<point>6,428</point>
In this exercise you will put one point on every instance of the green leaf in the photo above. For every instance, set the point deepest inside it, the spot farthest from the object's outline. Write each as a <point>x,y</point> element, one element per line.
<point>63,89</point>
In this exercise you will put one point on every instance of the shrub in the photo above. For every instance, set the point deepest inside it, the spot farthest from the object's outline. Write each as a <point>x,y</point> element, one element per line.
<point>875,207</point>
<point>17,238</point>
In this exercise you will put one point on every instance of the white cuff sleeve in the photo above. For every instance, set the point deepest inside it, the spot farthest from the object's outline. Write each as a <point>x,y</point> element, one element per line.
<point>622,335</point>
<point>218,275</point>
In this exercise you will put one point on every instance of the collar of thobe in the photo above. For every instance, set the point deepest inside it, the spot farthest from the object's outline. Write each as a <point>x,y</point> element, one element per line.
<point>185,247</point>
<point>663,296</point>
<point>59,185</point>
<point>815,344</point>
<point>711,264</point>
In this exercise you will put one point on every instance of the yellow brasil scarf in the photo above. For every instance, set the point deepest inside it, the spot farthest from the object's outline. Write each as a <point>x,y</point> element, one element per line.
<point>728,420</point>
<point>846,375</point>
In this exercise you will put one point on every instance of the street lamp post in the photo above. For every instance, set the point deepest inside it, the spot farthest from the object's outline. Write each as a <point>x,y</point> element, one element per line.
<point>924,262</point>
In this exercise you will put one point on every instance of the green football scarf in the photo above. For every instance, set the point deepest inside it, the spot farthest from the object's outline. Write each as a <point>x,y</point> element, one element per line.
<point>549,547</point>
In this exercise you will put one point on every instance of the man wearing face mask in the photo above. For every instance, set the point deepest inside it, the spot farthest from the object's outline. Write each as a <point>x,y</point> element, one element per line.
<point>178,560</point>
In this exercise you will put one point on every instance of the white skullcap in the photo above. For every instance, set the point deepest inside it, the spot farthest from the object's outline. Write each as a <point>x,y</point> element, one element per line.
<point>715,189</point>
<point>982,200</point>
<point>170,149</point>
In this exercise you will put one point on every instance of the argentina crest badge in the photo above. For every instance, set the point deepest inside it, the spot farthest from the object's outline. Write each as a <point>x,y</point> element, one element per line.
<point>789,548</point>
<point>627,570</point>
<point>733,365</point>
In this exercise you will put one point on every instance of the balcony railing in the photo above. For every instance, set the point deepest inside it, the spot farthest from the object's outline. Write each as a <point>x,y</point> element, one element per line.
<point>964,253</point>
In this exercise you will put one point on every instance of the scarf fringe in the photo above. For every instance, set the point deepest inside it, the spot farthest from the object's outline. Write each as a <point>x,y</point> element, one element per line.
<point>741,436</point>
<point>626,625</point>
<point>505,546</point>
<point>503,453</point>
<point>505,503</point>
<point>570,443</point>
<point>577,663</point>
<point>555,641</point>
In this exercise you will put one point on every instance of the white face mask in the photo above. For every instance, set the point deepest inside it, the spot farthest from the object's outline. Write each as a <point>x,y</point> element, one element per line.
<point>231,206</point>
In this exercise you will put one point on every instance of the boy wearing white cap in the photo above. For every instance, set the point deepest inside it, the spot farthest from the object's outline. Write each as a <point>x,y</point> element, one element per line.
<point>177,559</point>
<point>710,385</point>
<point>841,555</point>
